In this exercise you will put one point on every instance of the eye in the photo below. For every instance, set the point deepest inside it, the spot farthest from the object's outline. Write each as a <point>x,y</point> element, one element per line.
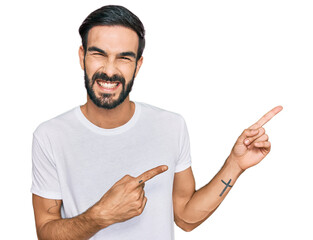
<point>125,58</point>
<point>97,54</point>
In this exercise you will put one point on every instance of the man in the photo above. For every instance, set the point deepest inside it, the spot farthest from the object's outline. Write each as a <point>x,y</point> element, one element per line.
<point>117,169</point>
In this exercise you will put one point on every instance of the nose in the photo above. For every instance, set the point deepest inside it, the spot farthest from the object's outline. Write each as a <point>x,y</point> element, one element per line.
<point>109,67</point>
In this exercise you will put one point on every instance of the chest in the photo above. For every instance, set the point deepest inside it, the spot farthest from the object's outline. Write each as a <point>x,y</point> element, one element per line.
<point>88,166</point>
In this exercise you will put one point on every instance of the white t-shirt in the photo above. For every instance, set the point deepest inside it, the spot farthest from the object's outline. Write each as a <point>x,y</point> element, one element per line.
<point>76,161</point>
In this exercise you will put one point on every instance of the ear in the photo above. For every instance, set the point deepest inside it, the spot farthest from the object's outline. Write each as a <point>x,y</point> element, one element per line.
<point>81,54</point>
<point>139,63</point>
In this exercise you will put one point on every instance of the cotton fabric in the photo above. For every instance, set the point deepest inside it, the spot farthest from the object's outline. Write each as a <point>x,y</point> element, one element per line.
<point>77,162</point>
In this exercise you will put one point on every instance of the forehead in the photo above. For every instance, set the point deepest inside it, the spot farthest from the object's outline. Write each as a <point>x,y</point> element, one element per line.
<point>113,38</point>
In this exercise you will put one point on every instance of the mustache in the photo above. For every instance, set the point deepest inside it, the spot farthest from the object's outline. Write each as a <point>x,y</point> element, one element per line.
<point>105,77</point>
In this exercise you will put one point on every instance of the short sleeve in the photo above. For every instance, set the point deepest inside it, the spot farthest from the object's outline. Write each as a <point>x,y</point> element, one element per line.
<point>184,159</point>
<point>45,181</point>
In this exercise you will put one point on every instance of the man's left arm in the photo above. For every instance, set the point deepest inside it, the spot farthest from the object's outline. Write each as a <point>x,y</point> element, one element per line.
<point>192,207</point>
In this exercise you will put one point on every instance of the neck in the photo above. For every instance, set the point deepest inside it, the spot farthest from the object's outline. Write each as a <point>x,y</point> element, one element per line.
<point>108,118</point>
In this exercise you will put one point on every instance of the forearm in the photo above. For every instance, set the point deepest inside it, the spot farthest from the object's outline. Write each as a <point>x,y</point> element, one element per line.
<point>204,201</point>
<point>80,227</point>
<point>251,147</point>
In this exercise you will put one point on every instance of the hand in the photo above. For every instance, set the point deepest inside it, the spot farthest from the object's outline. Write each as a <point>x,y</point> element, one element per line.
<point>125,199</point>
<point>252,146</point>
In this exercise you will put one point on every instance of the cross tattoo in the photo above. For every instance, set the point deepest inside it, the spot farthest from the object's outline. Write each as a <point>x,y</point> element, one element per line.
<point>227,185</point>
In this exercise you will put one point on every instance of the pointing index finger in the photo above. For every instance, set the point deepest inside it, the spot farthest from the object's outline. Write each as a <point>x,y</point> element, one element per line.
<point>151,173</point>
<point>268,116</point>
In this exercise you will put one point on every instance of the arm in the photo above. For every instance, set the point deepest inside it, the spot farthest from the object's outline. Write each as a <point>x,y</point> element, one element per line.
<point>124,200</point>
<point>50,225</point>
<point>191,207</point>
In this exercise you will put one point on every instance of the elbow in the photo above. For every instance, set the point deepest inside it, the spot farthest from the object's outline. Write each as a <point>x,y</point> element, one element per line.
<point>39,232</point>
<point>190,224</point>
<point>42,231</point>
<point>185,226</point>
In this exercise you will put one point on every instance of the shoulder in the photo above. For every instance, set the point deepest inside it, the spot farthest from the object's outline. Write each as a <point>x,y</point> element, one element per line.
<point>156,114</point>
<point>159,113</point>
<point>56,124</point>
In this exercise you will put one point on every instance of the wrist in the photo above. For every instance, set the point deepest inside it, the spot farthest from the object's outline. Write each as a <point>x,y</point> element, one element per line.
<point>232,163</point>
<point>97,217</point>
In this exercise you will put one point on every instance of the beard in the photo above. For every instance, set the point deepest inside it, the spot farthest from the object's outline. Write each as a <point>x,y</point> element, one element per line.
<point>106,100</point>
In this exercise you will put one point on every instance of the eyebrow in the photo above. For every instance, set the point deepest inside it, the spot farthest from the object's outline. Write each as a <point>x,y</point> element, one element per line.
<point>122,54</point>
<point>127,54</point>
<point>95,49</point>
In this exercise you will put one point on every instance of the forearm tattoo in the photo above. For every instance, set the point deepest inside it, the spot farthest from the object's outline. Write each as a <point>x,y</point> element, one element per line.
<point>227,185</point>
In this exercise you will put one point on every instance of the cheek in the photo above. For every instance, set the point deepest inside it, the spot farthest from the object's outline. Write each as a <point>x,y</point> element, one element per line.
<point>127,70</point>
<point>92,65</point>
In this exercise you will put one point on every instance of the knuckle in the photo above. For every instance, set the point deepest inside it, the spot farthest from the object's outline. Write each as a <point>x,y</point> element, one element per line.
<point>138,195</point>
<point>139,211</point>
<point>261,130</point>
<point>129,186</point>
<point>134,196</point>
<point>137,204</point>
<point>133,206</point>
<point>123,179</point>
<point>127,177</point>
<point>247,132</point>
<point>139,208</point>
<point>132,182</point>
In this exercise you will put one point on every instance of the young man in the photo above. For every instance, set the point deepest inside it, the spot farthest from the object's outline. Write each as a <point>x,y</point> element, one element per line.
<point>117,169</point>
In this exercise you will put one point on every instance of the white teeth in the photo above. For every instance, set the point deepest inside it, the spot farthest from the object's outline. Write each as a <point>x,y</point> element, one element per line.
<point>107,85</point>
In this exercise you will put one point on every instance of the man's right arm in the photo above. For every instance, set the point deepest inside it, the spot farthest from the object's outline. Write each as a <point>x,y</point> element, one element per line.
<point>124,200</point>
<point>50,225</point>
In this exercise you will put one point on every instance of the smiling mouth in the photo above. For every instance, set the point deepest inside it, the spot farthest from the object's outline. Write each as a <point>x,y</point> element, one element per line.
<point>108,85</point>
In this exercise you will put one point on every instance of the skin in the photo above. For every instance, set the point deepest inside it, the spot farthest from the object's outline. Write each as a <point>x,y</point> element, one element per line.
<point>113,40</point>
<point>126,199</point>
<point>192,207</point>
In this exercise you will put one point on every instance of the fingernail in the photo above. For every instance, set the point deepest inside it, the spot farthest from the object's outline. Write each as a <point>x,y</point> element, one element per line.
<point>164,168</point>
<point>247,141</point>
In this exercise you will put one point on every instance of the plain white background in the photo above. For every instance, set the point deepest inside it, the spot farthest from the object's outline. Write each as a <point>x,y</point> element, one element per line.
<point>221,64</point>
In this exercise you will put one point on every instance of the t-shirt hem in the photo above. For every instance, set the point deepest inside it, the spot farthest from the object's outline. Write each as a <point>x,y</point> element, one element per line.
<point>49,195</point>
<point>182,167</point>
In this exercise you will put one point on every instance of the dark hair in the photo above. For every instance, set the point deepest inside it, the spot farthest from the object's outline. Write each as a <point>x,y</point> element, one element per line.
<point>113,15</point>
